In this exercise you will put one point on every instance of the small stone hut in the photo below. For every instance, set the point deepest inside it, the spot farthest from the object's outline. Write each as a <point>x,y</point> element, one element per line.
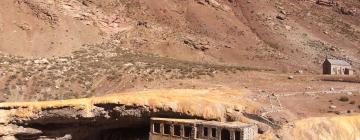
<point>337,67</point>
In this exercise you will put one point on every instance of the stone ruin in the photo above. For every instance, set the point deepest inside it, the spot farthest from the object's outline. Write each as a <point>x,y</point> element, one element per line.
<point>191,129</point>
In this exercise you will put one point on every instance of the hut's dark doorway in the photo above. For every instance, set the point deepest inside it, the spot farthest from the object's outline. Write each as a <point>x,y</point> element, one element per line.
<point>347,71</point>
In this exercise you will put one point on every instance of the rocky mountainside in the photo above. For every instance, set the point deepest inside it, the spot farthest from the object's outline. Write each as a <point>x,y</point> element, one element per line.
<point>82,48</point>
<point>297,34</point>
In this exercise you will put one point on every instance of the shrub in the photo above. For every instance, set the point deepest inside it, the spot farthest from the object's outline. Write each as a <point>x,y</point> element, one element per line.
<point>12,77</point>
<point>337,112</point>
<point>352,102</point>
<point>344,99</point>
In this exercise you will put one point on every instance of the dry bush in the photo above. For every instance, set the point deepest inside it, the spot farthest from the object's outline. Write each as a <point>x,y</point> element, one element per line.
<point>344,99</point>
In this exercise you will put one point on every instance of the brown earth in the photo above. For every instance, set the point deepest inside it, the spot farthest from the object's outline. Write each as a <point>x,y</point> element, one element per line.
<point>68,49</point>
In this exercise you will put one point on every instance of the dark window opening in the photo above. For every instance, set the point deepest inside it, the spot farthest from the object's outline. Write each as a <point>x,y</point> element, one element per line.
<point>205,131</point>
<point>167,129</point>
<point>213,132</point>
<point>198,133</point>
<point>187,130</point>
<point>237,135</point>
<point>225,134</point>
<point>156,127</point>
<point>177,130</point>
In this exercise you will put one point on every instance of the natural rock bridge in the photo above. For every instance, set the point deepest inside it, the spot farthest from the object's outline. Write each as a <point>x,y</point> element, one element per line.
<point>118,116</point>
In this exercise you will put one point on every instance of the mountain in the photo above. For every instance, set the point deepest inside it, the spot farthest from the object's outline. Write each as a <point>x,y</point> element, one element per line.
<point>285,35</point>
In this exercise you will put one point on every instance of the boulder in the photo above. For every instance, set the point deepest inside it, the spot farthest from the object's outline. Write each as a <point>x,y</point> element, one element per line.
<point>41,61</point>
<point>263,128</point>
<point>332,107</point>
<point>281,17</point>
<point>347,11</point>
<point>300,72</point>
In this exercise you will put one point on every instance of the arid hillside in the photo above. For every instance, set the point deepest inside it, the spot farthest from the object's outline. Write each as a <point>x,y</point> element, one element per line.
<point>285,35</point>
<point>61,49</point>
<point>252,61</point>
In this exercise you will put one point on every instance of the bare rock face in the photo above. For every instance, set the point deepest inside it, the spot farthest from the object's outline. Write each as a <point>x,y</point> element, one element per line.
<point>11,130</point>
